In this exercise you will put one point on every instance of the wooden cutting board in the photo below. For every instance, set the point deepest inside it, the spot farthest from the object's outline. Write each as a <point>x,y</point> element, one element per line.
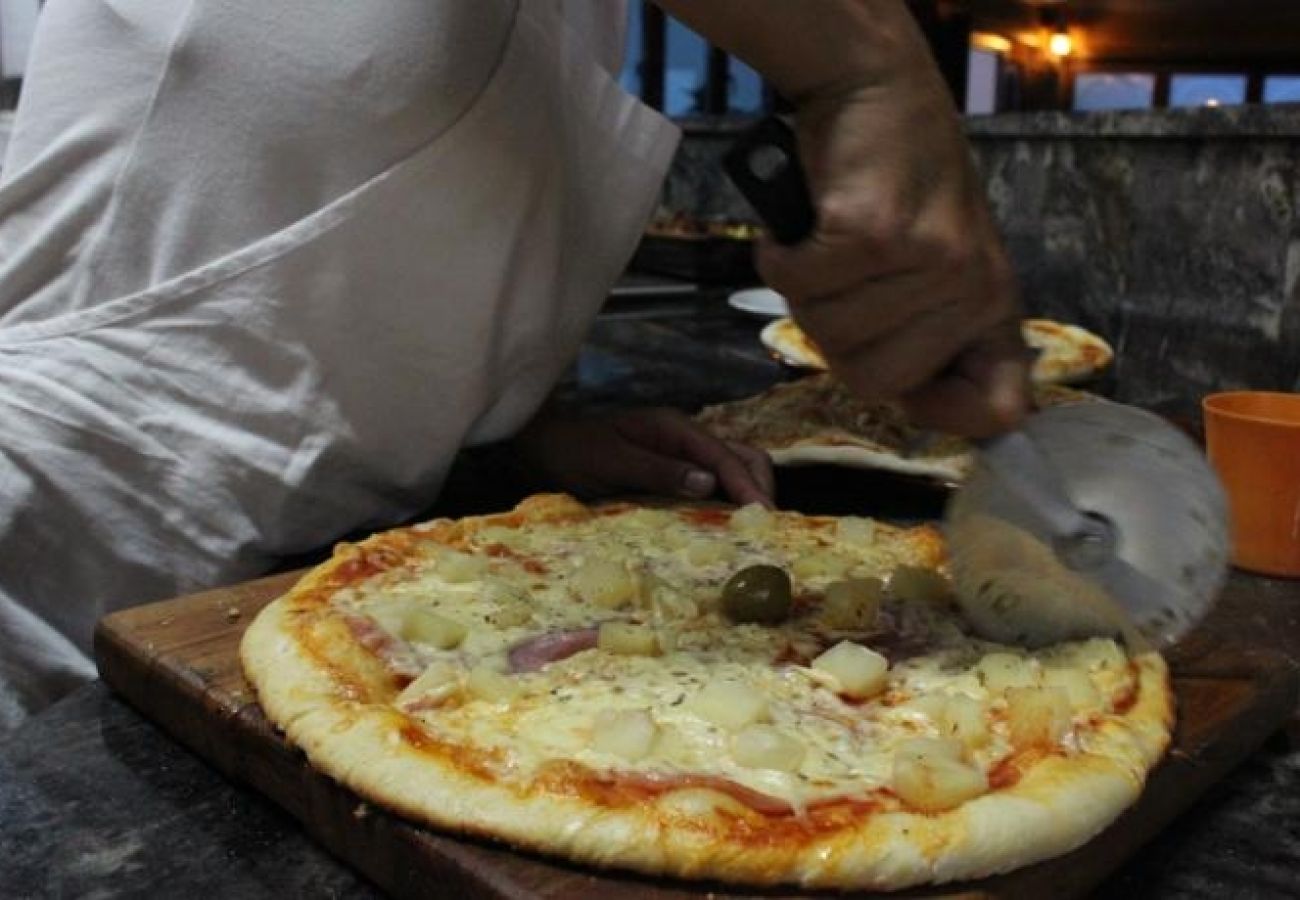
<point>177,662</point>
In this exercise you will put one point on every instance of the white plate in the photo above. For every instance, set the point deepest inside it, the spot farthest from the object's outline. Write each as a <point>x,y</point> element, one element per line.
<point>759,302</point>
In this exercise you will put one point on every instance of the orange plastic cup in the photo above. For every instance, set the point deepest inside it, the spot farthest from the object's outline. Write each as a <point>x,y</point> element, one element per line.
<point>1253,439</point>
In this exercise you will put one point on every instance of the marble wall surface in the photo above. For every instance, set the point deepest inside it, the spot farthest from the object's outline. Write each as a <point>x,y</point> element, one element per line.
<point>1174,234</point>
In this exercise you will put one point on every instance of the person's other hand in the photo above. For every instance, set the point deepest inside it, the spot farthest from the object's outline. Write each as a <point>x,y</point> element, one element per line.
<point>656,451</point>
<point>904,283</point>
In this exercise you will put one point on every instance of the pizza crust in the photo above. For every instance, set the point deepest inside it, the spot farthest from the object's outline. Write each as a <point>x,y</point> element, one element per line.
<point>1067,354</point>
<point>948,469</point>
<point>383,755</point>
<point>1056,807</point>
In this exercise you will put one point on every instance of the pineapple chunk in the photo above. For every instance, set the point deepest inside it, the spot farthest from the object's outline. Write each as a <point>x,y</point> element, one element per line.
<point>627,639</point>
<point>626,733</point>
<point>1101,653</point>
<point>665,600</point>
<point>752,519</point>
<point>854,530</point>
<point>765,747</point>
<point>965,719</point>
<point>390,616</point>
<point>427,627</point>
<point>647,520</point>
<point>485,683</point>
<point>820,565</point>
<point>510,614</point>
<point>930,775</point>
<point>604,582</point>
<point>672,744</point>
<point>929,706</point>
<point>1000,671</point>
<point>1077,684</point>
<point>438,681</point>
<point>459,568</point>
<point>729,704</point>
<point>707,551</point>
<point>915,584</point>
<point>858,671</point>
<point>853,604</point>
<point>1037,716</point>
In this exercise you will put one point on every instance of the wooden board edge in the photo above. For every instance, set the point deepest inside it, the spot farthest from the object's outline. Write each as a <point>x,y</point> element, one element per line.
<point>365,839</point>
<point>1172,788</point>
<point>368,840</point>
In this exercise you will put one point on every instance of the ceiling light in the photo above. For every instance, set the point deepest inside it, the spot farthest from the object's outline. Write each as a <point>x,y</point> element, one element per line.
<point>1060,44</point>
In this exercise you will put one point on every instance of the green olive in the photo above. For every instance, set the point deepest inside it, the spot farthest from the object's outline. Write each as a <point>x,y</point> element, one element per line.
<point>760,594</point>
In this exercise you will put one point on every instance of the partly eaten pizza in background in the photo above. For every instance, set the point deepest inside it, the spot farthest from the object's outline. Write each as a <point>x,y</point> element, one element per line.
<point>1067,354</point>
<point>815,420</point>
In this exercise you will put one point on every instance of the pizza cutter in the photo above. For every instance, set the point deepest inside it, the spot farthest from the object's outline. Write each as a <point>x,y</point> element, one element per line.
<point>1092,519</point>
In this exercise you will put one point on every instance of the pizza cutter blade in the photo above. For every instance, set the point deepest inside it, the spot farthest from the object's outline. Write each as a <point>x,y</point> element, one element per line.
<point>1093,519</point>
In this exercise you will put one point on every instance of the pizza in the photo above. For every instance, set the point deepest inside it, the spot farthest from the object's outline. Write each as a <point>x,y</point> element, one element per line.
<point>740,695</point>
<point>816,420</point>
<point>1067,354</point>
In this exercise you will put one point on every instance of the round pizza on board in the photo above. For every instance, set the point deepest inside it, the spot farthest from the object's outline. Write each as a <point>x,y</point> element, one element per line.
<point>743,695</point>
<point>1067,354</point>
<point>816,420</point>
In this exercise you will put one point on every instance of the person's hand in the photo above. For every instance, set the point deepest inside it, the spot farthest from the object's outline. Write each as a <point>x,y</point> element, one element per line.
<point>656,451</point>
<point>904,283</point>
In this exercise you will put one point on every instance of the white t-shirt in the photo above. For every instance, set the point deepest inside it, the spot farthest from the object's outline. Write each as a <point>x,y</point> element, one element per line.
<point>265,267</point>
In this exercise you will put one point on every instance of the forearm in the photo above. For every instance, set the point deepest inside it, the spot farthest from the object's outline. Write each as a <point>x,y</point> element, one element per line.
<point>903,281</point>
<point>813,48</point>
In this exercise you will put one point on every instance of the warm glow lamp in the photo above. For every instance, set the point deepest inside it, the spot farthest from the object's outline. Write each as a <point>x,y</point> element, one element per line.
<point>1060,44</point>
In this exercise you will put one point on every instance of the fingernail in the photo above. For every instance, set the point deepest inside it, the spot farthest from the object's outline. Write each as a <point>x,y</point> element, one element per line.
<point>698,483</point>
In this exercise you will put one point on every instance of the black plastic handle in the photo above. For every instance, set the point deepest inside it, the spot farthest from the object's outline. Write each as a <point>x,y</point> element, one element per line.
<point>764,164</point>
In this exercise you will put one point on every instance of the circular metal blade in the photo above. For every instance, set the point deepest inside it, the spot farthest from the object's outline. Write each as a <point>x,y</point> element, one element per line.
<point>1154,487</point>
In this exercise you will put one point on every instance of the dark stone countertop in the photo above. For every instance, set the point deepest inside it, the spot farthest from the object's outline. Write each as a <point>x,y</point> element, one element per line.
<point>1248,121</point>
<point>95,802</point>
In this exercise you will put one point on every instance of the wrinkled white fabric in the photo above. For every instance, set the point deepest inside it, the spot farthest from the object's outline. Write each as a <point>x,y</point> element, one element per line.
<point>265,267</point>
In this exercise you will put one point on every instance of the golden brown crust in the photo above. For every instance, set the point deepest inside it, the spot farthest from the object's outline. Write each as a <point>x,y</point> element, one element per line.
<point>335,703</point>
<point>1067,353</point>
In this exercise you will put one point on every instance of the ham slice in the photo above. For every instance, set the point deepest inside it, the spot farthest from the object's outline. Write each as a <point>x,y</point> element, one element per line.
<point>531,654</point>
<point>656,783</point>
<point>759,802</point>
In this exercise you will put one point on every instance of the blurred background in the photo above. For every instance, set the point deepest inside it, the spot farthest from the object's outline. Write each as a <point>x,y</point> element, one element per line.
<point>998,55</point>
<point>1009,55</point>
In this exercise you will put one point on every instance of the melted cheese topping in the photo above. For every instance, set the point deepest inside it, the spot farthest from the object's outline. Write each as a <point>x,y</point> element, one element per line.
<point>507,587</point>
